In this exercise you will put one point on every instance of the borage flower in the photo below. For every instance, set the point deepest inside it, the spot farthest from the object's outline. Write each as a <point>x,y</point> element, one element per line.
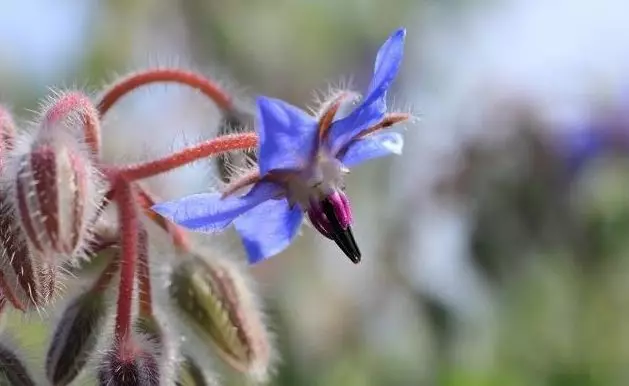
<point>302,161</point>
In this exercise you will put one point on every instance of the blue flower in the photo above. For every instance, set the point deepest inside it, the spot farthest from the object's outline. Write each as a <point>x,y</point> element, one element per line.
<point>580,145</point>
<point>301,161</point>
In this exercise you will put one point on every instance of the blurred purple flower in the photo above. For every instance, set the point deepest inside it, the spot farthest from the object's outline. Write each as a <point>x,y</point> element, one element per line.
<point>579,146</point>
<point>603,135</point>
<point>301,170</point>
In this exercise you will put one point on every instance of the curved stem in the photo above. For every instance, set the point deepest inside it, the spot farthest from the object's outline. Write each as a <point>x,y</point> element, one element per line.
<point>129,223</point>
<point>212,147</point>
<point>162,75</point>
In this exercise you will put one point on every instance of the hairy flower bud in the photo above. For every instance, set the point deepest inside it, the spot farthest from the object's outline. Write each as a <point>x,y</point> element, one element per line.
<point>12,371</point>
<point>26,282</point>
<point>148,326</point>
<point>190,374</point>
<point>75,337</point>
<point>215,300</point>
<point>129,365</point>
<point>54,189</point>
<point>7,134</point>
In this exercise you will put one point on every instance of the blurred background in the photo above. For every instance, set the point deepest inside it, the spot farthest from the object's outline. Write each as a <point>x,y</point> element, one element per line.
<point>495,250</point>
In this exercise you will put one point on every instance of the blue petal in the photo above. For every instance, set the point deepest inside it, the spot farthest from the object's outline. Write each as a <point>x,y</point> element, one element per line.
<point>209,213</point>
<point>346,129</point>
<point>287,135</point>
<point>373,106</point>
<point>373,146</point>
<point>268,229</point>
<point>387,65</point>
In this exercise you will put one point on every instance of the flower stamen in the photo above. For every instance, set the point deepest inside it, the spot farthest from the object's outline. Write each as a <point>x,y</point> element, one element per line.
<point>341,231</point>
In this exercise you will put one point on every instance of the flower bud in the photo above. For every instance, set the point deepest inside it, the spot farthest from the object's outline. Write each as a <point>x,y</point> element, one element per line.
<point>12,370</point>
<point>216,302</point>
<point>190,374</point>
<point>75,337</point>
<point>7,134</point>
<point>54,190</point>
<point>129,365</point>
<point>150,328</point>
<point>156,337</point>
<point>26,282</point>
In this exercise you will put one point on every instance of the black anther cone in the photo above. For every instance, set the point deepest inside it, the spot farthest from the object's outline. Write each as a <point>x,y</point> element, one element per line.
<point>342,237</point>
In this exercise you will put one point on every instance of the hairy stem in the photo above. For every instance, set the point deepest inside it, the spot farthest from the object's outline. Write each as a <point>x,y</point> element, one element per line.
<point>129,223</point>
<point>164,75</point>
<point>212,147</point>
<point>144,275</point>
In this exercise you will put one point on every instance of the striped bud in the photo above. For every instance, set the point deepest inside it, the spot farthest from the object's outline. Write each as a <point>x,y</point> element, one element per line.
<point>7,134</point>
<point>75,337</point>
<point>131,366</point>
<point>216,302</point>
<point>54,194</point>
<point>12,370</point>
<point>26,282</point>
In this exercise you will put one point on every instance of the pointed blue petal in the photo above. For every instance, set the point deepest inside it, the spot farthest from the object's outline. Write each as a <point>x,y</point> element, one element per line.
<point>346,129</point>
<point>207,212</point>
<point>373,146</point>
<point>387,65</point>
<point>268,229</point>
<point>373,107</point>
<point>287,135</point>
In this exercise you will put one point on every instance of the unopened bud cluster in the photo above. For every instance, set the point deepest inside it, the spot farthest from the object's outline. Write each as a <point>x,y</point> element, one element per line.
<point>54,192</point>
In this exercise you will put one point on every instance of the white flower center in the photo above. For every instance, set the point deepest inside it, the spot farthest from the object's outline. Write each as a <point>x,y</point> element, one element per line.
<point>320,179</point>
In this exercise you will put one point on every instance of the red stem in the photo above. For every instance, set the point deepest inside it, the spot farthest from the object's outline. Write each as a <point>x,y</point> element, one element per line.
<point>212,147</point>
<point>129,242</point>
<point>144,275</point>
<point>171,75</point>
<point>76,102</point>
